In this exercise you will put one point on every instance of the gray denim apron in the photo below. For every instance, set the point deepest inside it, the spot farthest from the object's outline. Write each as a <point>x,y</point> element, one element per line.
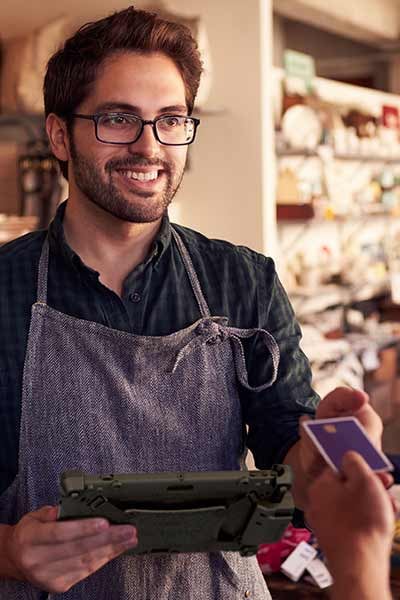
<point>103,400</point>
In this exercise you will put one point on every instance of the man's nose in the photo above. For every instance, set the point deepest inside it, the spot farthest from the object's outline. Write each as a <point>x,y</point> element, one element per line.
<point>147,143</point>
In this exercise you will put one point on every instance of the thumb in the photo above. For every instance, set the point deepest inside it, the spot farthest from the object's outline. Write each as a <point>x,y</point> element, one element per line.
<point>45,514</point>
<point>341,401</point>
<point>354,468</point>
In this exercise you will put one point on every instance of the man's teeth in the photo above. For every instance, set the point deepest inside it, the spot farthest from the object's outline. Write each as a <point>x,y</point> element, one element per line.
<point>141,176</point>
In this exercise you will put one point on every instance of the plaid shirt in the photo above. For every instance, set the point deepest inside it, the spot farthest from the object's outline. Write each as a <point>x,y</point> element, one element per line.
<point>157,299</point>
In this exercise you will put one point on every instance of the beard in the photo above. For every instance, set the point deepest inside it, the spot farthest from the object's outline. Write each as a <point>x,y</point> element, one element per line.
<point>89,178</point>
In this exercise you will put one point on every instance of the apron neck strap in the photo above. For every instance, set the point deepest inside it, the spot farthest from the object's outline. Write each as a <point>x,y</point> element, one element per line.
<point>43,273</point>
<point>187,261</point>
<point>191,272</point>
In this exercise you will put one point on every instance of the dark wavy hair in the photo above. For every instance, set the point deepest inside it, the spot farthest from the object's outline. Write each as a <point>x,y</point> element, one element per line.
<point>72,71</point>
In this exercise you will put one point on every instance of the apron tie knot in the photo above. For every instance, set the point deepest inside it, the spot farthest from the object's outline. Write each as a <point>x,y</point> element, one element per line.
<point>213,332</point>
<point>216,331</point>
<point>209,332</point>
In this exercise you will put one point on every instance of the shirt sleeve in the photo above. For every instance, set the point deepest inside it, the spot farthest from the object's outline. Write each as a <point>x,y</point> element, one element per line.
<point>272,416</point>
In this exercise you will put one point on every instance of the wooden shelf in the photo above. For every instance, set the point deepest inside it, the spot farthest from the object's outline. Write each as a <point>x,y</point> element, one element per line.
<point>348,157</point>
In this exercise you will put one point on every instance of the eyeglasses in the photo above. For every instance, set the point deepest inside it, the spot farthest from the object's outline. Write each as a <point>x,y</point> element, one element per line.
<point>125,128</point>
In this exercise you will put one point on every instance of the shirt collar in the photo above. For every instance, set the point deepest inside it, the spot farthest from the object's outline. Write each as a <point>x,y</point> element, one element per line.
<point>59,244</point>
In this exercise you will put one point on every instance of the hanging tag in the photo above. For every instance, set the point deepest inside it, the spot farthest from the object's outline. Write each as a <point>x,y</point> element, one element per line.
<point>319,573</point>
<point>296,563</point>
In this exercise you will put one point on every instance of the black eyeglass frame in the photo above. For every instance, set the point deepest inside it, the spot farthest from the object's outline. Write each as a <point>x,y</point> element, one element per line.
<point>96,117</point>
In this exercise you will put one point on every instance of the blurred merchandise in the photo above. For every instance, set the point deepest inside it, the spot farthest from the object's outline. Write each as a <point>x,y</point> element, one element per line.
<point>300,188</point>
<point>294,212</point>
<point>287,187</point>
<point>301,127</point>
<point>366,263</point>
<point>361,124</point>
<point>271,556</point>
<point>394,270</point>
<point>38,184</point>
<point>307,120</point>
<point>390,117</point>
<point>298,556</point>
<point>299,70</point>
<point>393,252</point>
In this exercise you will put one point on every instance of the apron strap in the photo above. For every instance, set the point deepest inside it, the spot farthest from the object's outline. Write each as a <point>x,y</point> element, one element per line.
<point>43,273</point>
<point>190,270</point>
<point>187,261</point>
<point>212,332</point>
<point>240,361</point>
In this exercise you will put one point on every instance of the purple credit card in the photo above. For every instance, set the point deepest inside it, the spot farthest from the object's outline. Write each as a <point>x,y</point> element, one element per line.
<point>334,437</point>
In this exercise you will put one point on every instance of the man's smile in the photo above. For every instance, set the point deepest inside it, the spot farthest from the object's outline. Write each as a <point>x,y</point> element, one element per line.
<point>142,179</point>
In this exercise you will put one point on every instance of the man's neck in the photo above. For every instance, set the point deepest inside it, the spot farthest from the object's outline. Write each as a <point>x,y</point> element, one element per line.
<point>106,244</point>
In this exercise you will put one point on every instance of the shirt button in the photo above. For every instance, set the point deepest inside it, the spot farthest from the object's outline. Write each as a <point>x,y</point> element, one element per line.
<point>247,594</point>
<point>135,297</point>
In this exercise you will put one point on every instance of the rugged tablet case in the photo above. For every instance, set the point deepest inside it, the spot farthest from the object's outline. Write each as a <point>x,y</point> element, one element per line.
<point>186,512</point>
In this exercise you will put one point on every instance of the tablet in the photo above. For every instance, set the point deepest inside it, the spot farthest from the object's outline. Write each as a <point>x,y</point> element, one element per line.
<point>187,511</point>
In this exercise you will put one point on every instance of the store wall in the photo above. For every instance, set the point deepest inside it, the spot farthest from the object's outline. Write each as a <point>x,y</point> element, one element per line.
<point>221,194</point>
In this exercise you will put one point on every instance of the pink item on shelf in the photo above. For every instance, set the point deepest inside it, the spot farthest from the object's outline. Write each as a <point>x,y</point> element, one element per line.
<point>271,556</point>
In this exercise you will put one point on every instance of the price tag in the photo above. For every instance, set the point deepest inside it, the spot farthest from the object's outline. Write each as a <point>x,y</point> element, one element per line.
<point>319,573</point>
<point>296,563</point>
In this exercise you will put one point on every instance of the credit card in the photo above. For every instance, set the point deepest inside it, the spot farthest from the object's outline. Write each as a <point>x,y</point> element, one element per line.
<point>334,437</point>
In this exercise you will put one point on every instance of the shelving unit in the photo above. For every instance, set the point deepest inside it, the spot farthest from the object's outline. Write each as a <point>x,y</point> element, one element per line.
<point>347,157</point>
<point>364,222</point>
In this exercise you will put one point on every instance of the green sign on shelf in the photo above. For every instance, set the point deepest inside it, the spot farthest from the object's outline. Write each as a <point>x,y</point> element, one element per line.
<point>300,66</point>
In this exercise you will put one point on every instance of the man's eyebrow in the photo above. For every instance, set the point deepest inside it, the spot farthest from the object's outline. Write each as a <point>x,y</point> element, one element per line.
<point>174,108</point>
<point>131,108</point>
<point>117,106</point>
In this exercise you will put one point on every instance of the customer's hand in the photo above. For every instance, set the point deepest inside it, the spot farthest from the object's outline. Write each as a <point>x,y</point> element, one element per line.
<point>352,515</point>
<point>341,402</point>
<point>54,555</point>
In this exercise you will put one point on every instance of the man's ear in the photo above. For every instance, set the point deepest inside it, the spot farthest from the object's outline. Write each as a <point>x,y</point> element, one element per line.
<point>58,137</point>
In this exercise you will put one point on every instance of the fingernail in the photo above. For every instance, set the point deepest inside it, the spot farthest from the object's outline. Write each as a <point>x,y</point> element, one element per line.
<point>101,524</point>
<point>128,534</point>
<point>131,542</point>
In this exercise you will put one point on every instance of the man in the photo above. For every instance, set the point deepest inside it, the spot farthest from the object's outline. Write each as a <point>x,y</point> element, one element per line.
<point>357,537</point>
<point>149,347</point>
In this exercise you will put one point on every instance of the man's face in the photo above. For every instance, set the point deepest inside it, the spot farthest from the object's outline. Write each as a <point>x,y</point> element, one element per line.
<point>107,175</point>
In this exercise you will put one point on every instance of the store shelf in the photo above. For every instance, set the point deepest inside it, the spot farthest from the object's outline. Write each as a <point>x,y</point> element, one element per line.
<point>338,218</point>
<point>307,301</point>
<point>348,157</point>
